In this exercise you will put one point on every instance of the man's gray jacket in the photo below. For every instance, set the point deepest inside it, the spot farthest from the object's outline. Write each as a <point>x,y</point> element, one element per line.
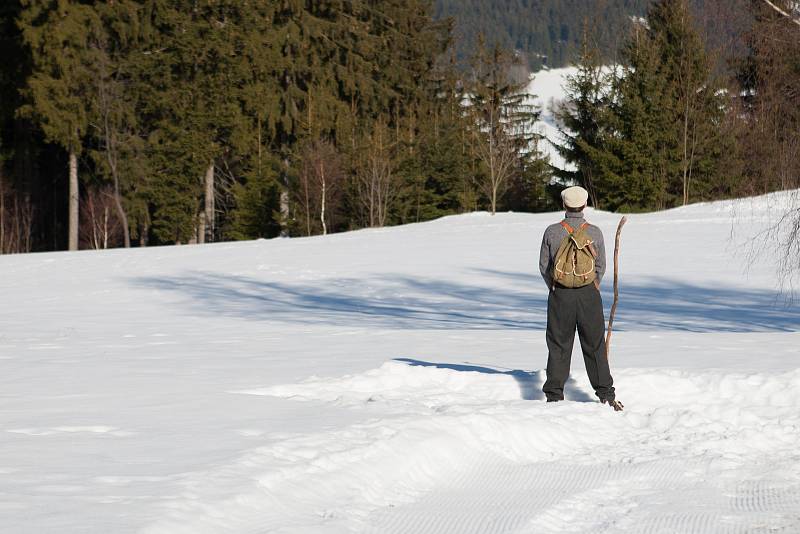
<point>552,238</point>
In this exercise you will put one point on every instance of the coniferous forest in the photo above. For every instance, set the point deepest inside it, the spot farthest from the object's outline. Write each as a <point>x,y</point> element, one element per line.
<point>148,122</point>
<point>545,32</point>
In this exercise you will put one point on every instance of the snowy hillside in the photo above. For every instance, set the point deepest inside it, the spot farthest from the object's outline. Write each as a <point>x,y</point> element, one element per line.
<point>547,88</point>
<point>389,381</point>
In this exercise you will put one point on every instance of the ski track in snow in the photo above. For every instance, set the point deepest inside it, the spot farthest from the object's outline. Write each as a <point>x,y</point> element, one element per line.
<point>462,452</point>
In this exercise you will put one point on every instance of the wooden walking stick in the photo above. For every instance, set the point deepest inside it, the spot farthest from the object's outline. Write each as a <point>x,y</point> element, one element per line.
<point>616,288</point>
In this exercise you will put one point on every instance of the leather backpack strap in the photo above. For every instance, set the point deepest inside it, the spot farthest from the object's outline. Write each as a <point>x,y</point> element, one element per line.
<point>567,227</point>
<point>590,244</point>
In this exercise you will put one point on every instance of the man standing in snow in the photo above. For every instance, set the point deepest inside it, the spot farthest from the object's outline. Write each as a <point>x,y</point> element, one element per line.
<point>572,262</point>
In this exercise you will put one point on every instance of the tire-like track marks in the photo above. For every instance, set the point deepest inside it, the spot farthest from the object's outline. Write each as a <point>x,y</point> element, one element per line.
<point>447,451</point>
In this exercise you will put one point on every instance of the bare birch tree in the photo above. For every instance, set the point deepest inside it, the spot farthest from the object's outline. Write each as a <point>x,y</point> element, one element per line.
<point>499,155</point>
<point>101,227</point>
<point>16,220</point>
<point>790,14</point>
<point>112,119</point>
<point>210,204</point>
<point>502,121</point>
<point>206,218</point>
<point>73,200</point>
<point>377,183</point>
<point>690,84</point>
<point>772,139</point>
<point>320,185</point>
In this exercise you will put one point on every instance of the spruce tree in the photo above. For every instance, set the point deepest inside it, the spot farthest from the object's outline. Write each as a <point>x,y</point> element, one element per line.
<point>581,119</point>
<point>436,169</point>
<point>697,103</point>
<point>115,146</point>
<point>59,89</point>
<point>186,72</point>
<point>664,144</point>
<point>10,73</point>
<point>502,122</point>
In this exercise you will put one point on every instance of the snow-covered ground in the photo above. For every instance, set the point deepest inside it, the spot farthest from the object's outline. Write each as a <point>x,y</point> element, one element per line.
<point>388,381</point>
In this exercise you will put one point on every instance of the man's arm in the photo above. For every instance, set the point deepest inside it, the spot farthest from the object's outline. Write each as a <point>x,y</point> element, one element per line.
<point>544,261</point>
<point>600,260</point>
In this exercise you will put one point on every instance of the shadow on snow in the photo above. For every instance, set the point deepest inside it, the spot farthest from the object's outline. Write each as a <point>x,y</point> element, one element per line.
<point>503,300</point>
<point>530,382</point>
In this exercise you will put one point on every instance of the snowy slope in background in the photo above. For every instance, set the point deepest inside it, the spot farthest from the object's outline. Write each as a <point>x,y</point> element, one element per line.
<point>547,88</point>
<point>389,380</point>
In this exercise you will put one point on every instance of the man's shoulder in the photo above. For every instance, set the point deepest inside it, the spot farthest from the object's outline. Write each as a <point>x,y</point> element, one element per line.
<point>554,230</point>
<point>558,227</point>
<point>557,230</point>
<point>554,226</point>
<point>593,229</point>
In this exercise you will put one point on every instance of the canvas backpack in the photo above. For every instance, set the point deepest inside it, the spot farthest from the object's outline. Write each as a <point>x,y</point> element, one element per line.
<point>574,262</point>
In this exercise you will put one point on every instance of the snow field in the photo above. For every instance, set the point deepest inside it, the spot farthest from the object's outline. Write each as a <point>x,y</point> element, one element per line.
<point>389,381</point>
<point>446,430</point>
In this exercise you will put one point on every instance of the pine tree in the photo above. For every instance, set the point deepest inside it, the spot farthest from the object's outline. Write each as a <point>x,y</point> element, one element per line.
<point>256,202</point>
<point>697,104</point>
<point>112,112</point>
<point>581,119</point>
<point>502,121</point>
<point>59,89</point>
<point>663,143</point>
<point>196,114</point>
<point>187,75</point>
<point>634,177</point>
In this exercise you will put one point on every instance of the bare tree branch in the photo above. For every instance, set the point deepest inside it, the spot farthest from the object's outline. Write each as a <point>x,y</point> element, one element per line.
<point>782,12</point>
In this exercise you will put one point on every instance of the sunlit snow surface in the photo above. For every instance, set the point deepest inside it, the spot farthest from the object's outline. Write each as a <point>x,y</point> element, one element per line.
<point>389,381</point>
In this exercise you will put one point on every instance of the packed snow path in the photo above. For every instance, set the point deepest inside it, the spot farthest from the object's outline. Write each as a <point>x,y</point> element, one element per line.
<point>389,381</point>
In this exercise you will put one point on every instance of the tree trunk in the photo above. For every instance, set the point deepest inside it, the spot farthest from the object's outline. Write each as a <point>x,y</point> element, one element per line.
<point>200,229</point>
<point>258,128</point>
<point>73,200</point>
<point>492,178</point>
<point>308,204</point>
<point>111,157</point>
<point>210,210</point>
<point>284,200</point>
<point>194,237</point>
<point>284,206</point>
<point>105,227</point>
<point>686,151</point>
<point>782,12</point>
<point>143,236</point>
<point>418,190</point>
<point>123,217</point>
<point>322,210</point>
<point>2,213</point>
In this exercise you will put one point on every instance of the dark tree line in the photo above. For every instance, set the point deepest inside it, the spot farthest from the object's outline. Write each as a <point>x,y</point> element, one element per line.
<point>185,121</point>
<point>545,32</point>
<point>146,122</point>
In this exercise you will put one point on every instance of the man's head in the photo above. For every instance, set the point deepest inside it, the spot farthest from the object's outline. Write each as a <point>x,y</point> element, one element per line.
<point>574,198</point>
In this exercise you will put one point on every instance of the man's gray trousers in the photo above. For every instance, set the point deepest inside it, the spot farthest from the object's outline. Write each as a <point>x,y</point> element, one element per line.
<point>566,310</point>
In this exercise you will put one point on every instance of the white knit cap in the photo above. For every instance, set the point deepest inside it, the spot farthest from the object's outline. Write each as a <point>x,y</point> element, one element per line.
<point>574,197</point>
